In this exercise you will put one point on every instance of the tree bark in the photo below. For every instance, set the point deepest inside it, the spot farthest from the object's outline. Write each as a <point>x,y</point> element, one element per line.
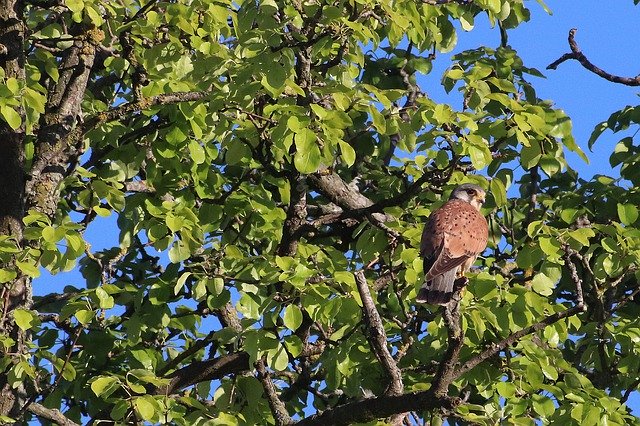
<point>15,294</point>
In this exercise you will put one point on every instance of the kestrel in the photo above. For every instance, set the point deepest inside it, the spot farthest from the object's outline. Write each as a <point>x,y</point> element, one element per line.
<point>455,234</point>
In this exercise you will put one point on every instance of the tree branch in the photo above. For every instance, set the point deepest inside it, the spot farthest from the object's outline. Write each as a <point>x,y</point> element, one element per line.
<point>50,414</point>
<point>369,409</point>
<point>447,369</point>
<point>377,337</point>
<point>200,371</point>
<point>495,348</point>
<point>296,215</point>
<point>278,408</point>
<point>577,54</point>
<point>125,110</point>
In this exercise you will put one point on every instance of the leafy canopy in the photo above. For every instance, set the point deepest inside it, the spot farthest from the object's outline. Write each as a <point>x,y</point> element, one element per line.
<point>264,159</point>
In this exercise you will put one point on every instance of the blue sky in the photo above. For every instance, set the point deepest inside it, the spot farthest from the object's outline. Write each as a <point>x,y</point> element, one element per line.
<point>607,34</point>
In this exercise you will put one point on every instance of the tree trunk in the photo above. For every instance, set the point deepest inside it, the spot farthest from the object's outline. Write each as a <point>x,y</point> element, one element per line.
<point>17,293</point>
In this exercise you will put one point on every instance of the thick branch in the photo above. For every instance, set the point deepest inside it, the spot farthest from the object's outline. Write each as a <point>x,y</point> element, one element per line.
<point>377,337</point>
<point>447,369</point>
<point>370,409</point>
<point>125,110</point>
<point>577,54</point>
<point>278,408</point>
<point>296,215</point>
<point>201,371</point>
<point>50,414</point>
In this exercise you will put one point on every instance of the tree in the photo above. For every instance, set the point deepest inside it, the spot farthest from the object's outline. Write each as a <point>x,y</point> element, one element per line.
<point>270,165</point>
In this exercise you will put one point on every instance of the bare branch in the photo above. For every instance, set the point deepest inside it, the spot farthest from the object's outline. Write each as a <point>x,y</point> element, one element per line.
<point>577,54</point>
<point>629,391</point>
<point>377,337</point>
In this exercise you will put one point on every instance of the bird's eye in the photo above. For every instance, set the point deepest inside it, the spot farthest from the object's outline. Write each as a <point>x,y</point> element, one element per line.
<point>471,191</point>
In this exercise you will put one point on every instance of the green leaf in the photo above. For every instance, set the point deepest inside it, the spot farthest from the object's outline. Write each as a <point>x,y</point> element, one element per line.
<point>146,407</point>
<point>25,319</point>
<point>11,116</point>
<point>307,156</point>
<point>196,152</point>
<point>542,284</point>
<point>7,275</point>
<point>582,235</point>
<point>292,317</point>
<point>498,191</point>
<point>278,358</point>
<point>28,269</point>
<point>530,155</point>
<point>179,252</point>
<point>543,406</point>
<point>104,386</point>
<point>248,307</point>
<point>348,153</point>
<point>106,301</point>
<point>74,5</point>
<point>84,316</point>
<point>628,213</point>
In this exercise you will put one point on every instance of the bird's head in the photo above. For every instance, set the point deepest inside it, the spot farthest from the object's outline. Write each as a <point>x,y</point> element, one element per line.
<point>470,193</point>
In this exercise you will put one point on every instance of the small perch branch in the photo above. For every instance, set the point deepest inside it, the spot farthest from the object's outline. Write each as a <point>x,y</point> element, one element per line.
<point>577,54</point>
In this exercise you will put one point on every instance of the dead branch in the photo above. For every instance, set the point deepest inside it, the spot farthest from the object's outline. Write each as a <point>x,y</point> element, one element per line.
<point>577,54</point>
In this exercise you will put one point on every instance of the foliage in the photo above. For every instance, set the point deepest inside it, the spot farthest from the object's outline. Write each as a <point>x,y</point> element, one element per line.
<point>263,161</point>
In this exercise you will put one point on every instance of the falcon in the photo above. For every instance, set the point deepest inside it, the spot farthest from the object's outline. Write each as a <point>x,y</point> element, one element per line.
<point>454,236</point>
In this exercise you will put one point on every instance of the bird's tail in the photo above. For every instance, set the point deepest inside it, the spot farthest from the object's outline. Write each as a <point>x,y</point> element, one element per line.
<point>439,290</point>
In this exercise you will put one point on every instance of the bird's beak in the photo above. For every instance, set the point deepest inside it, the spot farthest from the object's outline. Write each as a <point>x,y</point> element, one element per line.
<point>481,200</point>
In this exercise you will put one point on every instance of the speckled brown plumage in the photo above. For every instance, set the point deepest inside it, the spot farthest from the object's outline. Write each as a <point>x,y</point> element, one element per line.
<point>453,237</point>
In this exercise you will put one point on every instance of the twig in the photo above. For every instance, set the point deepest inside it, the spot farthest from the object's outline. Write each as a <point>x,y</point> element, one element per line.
<point>278,408</point>
<point>377,337</point>
<point>195,347</point>
<point>577,54</point>
<point>624,301</point>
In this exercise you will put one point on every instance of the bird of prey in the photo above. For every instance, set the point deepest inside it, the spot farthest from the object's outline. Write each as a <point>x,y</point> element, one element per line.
<point>455,234</point>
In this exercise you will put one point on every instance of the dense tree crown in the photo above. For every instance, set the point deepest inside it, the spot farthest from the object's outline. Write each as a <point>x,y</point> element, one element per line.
<point>271,164</point>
